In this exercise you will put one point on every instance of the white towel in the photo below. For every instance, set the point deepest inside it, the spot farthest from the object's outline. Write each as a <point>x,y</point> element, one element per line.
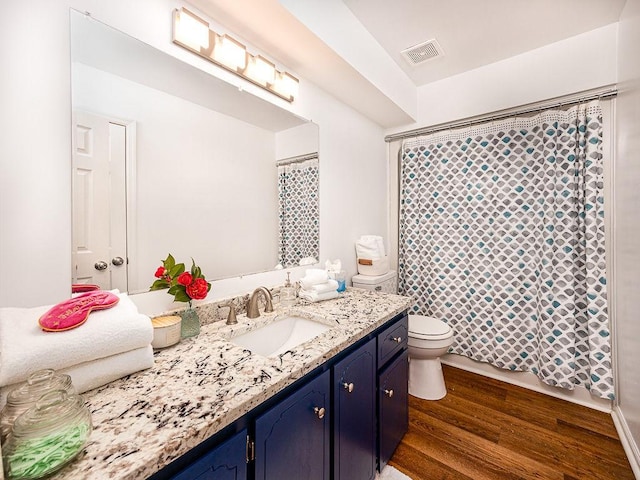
<point>313,276</point>
<point>312,296</point>
<point>24,347</point>
<point>89,375</point>
<point>307,261</point>
<point>328,286</point>
<point>370,247</point>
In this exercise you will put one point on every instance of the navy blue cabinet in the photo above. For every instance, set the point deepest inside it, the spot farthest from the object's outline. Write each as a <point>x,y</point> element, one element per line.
<point>292,440</point>
<point>227,461</point>
<point>341,424</point>
<point>354,407</point>
<point>393,405</point>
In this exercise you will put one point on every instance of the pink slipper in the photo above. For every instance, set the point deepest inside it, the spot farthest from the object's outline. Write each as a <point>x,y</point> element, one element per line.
<point>74,312</point>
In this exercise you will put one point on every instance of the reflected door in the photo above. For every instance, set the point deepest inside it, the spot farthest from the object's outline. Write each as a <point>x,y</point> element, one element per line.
<point>99,202</point>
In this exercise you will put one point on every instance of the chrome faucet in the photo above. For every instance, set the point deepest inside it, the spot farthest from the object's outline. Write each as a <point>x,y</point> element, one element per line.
<point>252,305</point>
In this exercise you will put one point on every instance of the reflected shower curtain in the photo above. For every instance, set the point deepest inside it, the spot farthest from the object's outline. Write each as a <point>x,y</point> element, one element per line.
<point>502,236</point>
<point>299,212</point>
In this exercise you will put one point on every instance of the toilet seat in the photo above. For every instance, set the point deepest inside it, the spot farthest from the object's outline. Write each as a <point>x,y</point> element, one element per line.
<point>428,328</point>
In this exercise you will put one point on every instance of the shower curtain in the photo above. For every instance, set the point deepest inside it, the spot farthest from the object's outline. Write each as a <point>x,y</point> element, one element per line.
<point>299,212</point>
<point>502,236</point>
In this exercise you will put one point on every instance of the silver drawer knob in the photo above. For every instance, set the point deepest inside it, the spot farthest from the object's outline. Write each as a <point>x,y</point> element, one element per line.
<point>348,387</point>
<point>396,339</point>
<point>319,411</point>
<point>389,393</point>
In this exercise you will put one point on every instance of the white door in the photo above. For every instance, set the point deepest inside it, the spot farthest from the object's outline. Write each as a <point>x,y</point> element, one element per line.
<point>99,202</point>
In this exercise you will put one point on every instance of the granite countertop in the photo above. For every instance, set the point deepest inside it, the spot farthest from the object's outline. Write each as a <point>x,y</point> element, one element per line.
<point>199,386</point>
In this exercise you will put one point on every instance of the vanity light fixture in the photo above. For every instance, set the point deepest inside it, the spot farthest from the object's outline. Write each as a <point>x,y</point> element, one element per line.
<point>190,30</point>
<point>261,70</point>
<point>193,33</point>
<point>230,53</point>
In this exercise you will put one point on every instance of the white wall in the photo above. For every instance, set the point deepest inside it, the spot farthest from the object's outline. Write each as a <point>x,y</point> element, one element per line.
<point>627,228</point>
<point>35,198</point>
<point>296,141</point>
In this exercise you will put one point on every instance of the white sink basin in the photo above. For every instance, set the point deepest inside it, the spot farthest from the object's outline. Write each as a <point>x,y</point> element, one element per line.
<point>284,333</point>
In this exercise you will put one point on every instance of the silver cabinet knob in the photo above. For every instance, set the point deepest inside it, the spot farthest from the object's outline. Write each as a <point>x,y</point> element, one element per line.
<point>117,261</point>
<point>396,339</point>
<point>389,393</point>
<point>319,411</point>
<point>101,265</point>
<point>348,387</point>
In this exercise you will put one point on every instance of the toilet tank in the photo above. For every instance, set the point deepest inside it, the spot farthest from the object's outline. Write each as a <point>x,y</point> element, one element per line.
<point>387,283</point>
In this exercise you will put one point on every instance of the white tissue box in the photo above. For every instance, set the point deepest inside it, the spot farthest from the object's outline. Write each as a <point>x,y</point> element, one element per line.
<point>377,267</point>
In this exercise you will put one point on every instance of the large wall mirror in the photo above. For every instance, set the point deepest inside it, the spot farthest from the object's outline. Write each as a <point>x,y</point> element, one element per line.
<point>170,159</point>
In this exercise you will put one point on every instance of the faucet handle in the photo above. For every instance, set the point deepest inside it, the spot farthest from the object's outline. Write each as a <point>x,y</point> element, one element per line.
<point>231,318</point>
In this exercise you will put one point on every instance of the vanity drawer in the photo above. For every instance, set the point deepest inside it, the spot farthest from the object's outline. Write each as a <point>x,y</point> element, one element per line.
<point>392,339</point>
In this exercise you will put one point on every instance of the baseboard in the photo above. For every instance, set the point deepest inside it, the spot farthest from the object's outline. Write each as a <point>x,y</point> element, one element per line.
<point>579,395</point>
<point>627,440</point>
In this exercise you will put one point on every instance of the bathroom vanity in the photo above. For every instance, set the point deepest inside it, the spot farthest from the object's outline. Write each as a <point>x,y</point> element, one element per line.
<point>336,403</point>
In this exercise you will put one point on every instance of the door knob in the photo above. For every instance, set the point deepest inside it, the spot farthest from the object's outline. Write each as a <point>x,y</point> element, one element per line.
<point>348,387</point>
<point>117,261</point>
<point>319,411</point>
<point>101,265</point>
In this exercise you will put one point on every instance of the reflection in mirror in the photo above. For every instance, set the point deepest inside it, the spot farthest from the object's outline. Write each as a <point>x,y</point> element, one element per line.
<point>299,210</point>
<point>168,158</point>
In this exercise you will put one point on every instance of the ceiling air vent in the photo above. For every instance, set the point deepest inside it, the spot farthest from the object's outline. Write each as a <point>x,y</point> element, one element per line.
<point>422,52</point>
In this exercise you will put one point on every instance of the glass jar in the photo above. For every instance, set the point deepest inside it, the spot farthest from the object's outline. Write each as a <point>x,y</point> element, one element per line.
<point>24,396</point>
<point>47,436</point>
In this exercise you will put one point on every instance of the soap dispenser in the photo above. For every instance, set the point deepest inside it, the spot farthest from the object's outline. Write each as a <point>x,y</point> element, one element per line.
<point>288,293</point>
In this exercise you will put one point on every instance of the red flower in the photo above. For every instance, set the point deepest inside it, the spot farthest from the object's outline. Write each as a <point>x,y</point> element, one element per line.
<point>160,272</point>
<point>198,289</point>
<point>185,279</point>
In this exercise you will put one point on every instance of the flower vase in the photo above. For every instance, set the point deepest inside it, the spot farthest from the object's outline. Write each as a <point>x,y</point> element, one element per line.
<point>190,323</point>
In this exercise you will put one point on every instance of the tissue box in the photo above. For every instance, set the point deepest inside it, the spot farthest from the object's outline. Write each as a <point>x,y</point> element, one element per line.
<point>373,267</point>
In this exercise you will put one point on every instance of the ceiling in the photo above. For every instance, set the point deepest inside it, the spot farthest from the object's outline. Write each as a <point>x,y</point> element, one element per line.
<point>474,33</point>
<point>351,48</point>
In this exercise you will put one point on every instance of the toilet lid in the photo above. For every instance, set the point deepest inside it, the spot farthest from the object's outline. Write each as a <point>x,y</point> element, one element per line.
<point>428,327</point>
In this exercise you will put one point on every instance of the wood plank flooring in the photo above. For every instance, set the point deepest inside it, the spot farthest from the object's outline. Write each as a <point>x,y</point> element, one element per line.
<point>485,429</point>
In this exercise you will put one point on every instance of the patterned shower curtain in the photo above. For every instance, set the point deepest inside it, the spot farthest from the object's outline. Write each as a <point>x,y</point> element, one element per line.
<point>299,212</point>
<point>502,236</point>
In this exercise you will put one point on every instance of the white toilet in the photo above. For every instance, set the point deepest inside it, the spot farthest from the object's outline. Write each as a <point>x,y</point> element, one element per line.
<point>429,339</point>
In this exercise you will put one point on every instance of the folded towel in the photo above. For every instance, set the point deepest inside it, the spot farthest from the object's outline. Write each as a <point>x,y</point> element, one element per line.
<point>307,261</point>
<point>370,247</point>
<point>24,347</point>
<point>89,375</point>
<point>313,276</point>
<point>312,296</point>
<point>328,286</point>
<point>95,373</point>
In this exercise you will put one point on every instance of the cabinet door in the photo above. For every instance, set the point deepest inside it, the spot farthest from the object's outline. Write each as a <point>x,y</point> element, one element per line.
<point>227,461</point>
<point>354,400</point>
<point>393,404</point>
<point>293,438</point>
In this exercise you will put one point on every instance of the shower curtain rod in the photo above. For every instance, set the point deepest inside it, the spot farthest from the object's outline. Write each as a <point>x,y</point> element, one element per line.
<point>581,97</point>
<point>297,159</point>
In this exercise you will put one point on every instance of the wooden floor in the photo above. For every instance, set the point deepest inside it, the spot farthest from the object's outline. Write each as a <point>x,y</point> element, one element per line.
<point>485,429</point>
